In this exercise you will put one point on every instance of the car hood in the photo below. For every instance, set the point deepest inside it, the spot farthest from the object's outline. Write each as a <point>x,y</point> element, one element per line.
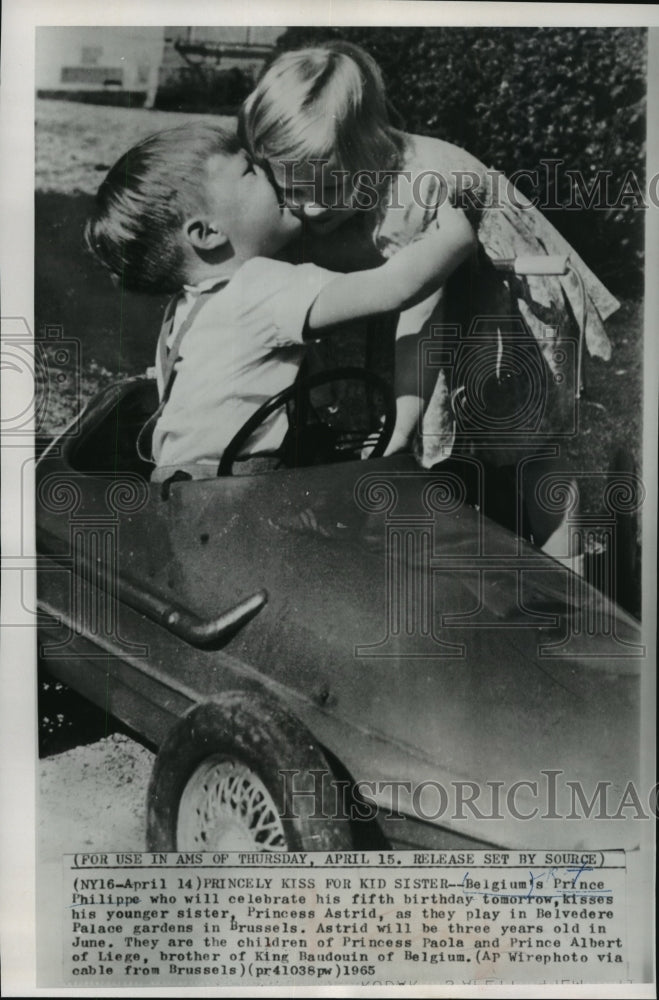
<point>455,648</point>
<point>417,639</point>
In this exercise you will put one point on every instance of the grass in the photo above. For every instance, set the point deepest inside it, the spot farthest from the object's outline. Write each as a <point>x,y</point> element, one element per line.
<point>76,144</point>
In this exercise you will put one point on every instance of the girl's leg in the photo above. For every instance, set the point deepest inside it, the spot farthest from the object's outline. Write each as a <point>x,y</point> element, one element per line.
<point>416,380</point>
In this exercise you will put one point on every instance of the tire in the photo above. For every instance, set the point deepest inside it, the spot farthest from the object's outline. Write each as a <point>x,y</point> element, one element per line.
<point>217,785</point>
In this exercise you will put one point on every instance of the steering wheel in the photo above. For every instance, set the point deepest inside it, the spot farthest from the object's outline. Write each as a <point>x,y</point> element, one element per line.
<point>311,439</point>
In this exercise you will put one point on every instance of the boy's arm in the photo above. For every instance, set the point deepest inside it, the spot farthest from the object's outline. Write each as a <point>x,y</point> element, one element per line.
<point>423,265</point>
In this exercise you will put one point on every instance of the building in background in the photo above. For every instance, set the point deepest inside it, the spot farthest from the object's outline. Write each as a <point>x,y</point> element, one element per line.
<point>100,64</point>
<point>183,68</point>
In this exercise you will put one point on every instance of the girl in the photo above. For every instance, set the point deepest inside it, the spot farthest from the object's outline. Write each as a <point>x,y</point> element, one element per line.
<point>319,121</point>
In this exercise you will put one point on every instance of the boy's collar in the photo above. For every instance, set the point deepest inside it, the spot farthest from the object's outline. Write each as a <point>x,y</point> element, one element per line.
<point>207,284</point>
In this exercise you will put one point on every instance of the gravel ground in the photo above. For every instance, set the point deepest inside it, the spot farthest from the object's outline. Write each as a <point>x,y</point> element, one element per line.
<point>94,797</point>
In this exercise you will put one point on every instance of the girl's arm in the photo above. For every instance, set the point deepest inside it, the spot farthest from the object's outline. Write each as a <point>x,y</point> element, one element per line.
<point>417,268</point>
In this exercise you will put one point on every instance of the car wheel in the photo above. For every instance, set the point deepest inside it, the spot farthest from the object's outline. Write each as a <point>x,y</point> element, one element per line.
<point>241,774</point>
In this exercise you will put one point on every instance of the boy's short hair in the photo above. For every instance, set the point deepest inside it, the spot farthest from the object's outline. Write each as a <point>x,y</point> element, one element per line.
<point>326,102</point>
<point>141,205</point>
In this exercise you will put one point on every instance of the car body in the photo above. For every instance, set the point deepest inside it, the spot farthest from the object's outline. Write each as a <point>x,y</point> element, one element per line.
<point>419,647</point>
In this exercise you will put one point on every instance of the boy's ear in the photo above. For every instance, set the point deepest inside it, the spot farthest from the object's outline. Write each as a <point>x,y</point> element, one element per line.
<point>204,234</point>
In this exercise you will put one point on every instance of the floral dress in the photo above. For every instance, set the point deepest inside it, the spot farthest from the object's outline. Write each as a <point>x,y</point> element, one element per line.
<point>553,309</point>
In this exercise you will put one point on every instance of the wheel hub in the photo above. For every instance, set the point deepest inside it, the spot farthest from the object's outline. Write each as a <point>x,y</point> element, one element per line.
<point>226,806</point>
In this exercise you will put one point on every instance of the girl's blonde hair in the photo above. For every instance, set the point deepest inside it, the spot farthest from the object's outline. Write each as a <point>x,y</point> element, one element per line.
<point>326,102</point>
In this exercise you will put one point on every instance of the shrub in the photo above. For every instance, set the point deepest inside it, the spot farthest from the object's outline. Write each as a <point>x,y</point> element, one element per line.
<point>204,90</point>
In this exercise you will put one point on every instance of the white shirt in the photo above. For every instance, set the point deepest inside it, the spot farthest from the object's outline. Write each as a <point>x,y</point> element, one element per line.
<point>244,346</point>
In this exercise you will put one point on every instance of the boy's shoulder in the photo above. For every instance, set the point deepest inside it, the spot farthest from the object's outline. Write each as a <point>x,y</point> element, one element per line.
<point>269,274</point>
<point>265,266</point>
<point>256,277</point>
<point>266,293</point>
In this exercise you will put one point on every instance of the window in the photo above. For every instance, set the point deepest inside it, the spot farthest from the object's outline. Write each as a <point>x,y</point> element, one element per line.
<point>100,75</point>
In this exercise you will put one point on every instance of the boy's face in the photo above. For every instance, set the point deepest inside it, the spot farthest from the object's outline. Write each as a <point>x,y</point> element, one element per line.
<point>240,197</point>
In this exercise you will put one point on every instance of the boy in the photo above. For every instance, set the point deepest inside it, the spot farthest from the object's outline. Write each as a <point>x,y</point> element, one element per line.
<point>187,208</point>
